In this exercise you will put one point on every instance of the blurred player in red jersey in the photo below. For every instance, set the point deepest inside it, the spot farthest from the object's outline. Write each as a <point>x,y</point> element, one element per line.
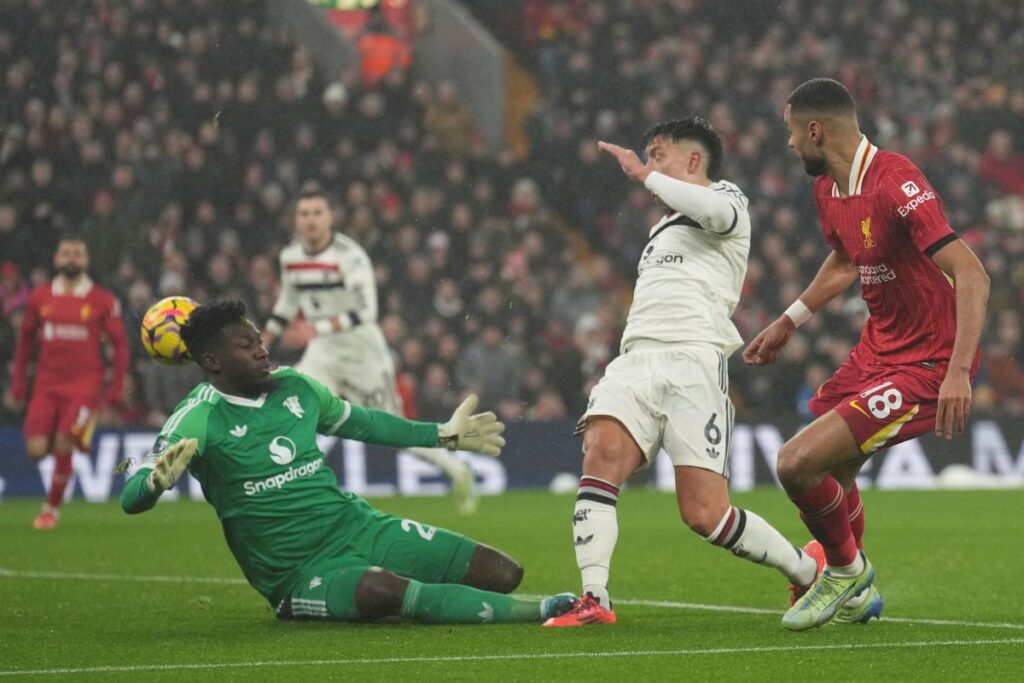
<point>911,372</point>
<point>68,320</point>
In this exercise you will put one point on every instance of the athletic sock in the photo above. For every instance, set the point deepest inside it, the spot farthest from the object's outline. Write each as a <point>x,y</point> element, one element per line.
<point>746,534</point>
<point>59,481</point>
<point>855,508</point>
<point>824,511</point>
<point>440,458</point>
<point>595,529</point>
<point>451,603</point>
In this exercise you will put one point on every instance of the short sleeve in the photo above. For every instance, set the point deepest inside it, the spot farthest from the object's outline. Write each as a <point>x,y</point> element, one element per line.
<point>826,226</point>
<point>918,208</point>
<point>334,411</point>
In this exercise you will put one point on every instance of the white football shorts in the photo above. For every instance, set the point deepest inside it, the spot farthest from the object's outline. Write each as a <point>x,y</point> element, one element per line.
<point>355,365</point>
<point>671,396</point>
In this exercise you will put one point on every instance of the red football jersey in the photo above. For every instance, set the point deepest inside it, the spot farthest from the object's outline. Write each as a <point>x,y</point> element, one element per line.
<point>890,225</point>
<point>68,328</point>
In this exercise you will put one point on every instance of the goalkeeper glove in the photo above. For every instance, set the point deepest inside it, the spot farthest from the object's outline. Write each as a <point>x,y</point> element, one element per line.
<point>480,433</point>
<point>171,464</point>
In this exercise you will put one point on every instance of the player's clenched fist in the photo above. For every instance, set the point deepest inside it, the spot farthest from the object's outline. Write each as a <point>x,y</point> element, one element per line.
<point>171,464</point>
<point>766,346</point>
<point>480,433</point>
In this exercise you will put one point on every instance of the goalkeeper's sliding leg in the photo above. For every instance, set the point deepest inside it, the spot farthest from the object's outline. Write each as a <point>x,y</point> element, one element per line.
<point>360,593</point>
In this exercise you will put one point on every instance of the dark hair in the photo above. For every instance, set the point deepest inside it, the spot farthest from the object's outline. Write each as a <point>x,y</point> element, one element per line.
<point>694,128</point>
<point>312,189</point>
<point>206,323</point>
<point>822,96</point>
<point>70,236</point>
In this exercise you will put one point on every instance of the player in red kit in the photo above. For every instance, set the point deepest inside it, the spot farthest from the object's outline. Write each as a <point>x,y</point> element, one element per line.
<point>911,372</point>
<point>67,320</point>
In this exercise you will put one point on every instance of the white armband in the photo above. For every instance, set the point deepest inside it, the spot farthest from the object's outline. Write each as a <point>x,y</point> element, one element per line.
<point>324,326</point>
<point>799,313</point>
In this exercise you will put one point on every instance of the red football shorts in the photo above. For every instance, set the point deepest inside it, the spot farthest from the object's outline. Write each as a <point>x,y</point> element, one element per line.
<point>882,406</point>
<point>52,411</point>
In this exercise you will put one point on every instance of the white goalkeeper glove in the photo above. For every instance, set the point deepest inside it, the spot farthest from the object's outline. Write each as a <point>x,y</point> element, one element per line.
<point>480,433</point>
<point>171,464</point>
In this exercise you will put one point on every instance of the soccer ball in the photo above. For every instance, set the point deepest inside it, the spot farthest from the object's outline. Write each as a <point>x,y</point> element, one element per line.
<point>161,329</point>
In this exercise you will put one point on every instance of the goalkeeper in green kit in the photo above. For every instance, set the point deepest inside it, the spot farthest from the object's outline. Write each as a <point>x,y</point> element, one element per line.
<point>248,435</point>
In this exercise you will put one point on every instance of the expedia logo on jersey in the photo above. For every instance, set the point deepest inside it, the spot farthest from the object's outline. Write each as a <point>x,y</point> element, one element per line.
<point>876,275</point>
<point>917,201</point>
<point>280,479</point>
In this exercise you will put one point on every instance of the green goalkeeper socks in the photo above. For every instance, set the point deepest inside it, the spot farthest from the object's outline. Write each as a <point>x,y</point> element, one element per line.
<point>449,603</point>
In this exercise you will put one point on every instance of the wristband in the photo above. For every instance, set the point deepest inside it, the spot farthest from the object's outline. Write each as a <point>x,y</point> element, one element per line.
<point>799,313</point>
<point>274,326</point>
<point>324,326</point>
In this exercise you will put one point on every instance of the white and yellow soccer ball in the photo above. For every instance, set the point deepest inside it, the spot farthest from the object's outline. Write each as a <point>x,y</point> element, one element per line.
<point>161,329</point>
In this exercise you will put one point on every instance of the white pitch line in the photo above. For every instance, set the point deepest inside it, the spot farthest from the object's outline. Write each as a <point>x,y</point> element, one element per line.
<point>188,666</point>
<point>668,604</point>
<point>761,610</point>
<point>15,574</point>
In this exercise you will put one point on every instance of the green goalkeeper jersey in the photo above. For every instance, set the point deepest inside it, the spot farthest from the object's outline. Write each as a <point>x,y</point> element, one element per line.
<point>260,467</point>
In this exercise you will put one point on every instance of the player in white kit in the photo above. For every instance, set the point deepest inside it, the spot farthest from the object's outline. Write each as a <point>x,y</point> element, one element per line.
<point>329,277</point>
<point>669,386</point>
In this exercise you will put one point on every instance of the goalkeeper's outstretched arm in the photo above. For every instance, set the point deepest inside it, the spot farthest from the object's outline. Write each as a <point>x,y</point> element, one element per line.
<point>466,430</point>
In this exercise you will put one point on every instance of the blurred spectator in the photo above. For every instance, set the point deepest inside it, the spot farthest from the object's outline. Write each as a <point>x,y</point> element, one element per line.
<point>488,368</point>
<point>450,120</point>
<point>177,156</point>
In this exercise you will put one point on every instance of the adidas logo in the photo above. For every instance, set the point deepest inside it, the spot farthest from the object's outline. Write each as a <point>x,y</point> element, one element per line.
<point>239,430</point>
<point>583,541</point>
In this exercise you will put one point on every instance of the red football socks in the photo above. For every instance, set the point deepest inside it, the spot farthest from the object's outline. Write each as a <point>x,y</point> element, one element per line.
<point>824,511</point>
<point>59,482</point>
<point>855,508</point>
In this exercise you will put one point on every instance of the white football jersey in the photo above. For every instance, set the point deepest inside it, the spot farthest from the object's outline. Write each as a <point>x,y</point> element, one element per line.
<point>335,282</point>
<point>689,278</point>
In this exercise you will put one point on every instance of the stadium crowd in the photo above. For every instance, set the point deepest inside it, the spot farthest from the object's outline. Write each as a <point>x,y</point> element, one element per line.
<point>173,135</point>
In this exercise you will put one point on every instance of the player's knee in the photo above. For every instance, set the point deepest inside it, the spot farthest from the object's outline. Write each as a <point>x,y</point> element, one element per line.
<point>63,443</point>
<point>792,465</point>
<point>37,447</point>
<point>492,570</point>
<point>379,594</point>
<point>701,517</point>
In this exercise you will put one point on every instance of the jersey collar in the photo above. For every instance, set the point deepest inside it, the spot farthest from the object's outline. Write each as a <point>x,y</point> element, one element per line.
<point>79,290</point>
<point>241,400</point>
<point>862,159</point>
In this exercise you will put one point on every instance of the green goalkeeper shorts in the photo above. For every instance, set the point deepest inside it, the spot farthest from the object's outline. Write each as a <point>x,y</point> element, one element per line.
<point>324,586</point>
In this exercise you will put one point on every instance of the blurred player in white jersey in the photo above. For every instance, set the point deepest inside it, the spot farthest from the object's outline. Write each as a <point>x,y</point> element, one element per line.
<point>669,386</point>
<point>330,278</point>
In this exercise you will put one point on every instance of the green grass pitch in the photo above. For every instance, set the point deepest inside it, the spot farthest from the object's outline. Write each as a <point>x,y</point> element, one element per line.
<point>157,597</point>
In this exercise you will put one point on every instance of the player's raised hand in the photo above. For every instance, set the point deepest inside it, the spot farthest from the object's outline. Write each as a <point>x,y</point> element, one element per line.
<point>628,160</point>
<point>765,348</point>
<point>298,334</point>
<point>171,464</point>
<point>954,405</point>
<point>480,432</point>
